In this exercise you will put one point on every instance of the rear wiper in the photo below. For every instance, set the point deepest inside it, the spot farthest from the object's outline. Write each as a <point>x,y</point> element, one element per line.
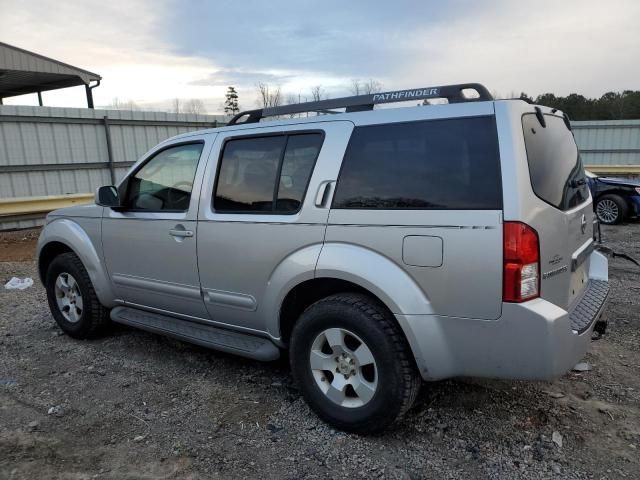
<point>577,183</point>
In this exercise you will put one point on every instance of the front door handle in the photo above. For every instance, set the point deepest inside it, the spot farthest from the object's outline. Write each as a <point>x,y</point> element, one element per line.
<point>180,232</point>
<point>324,193</point>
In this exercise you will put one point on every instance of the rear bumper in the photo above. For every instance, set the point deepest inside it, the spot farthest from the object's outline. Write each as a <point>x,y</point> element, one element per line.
<point>535,340</point>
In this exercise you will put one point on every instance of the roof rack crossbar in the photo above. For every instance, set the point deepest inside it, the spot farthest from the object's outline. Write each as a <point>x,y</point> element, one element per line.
<point>358,103</point>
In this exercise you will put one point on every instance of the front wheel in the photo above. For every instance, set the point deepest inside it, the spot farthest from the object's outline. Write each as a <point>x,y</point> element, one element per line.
<point>353,364</point>
<point>72,299</point>
<point>611,209</point>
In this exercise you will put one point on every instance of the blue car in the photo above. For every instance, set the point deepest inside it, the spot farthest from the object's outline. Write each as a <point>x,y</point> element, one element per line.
<point>614,199</point>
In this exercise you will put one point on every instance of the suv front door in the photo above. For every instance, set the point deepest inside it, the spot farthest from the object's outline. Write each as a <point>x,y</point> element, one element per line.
<point>150,244</point>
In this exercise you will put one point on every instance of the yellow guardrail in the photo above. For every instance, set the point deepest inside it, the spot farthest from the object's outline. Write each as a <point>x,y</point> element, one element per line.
<point>614,169</point>
<point>30,205</point>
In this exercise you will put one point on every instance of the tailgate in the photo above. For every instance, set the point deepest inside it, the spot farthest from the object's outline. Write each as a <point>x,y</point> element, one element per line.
<point>565,229</point>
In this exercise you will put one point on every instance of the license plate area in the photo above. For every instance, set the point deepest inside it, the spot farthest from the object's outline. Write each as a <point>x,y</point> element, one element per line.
<point>579,281</point>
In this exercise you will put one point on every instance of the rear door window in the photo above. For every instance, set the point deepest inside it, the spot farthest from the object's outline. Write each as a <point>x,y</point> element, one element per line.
<point>434,164</point>
<point>267,174</point>
<point>555,168</point>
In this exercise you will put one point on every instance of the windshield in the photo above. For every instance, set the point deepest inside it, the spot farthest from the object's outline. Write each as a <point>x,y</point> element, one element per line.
<point>555,167</point>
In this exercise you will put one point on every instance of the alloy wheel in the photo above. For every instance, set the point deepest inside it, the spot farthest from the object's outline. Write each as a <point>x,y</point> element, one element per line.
<point>607,211</point>
<point>68,297</point>
<point>344,367</point>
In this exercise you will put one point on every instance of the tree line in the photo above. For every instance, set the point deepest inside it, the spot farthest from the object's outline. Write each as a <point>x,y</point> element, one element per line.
<point>610,106</point>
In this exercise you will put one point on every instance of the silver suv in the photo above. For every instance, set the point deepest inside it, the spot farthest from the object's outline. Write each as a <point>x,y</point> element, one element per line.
<point>379,247</point>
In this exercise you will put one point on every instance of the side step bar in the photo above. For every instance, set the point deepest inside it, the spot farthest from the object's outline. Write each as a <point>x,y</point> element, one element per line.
<point>242,344</point>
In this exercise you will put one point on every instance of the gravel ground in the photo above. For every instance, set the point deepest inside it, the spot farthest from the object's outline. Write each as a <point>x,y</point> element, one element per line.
<point>136,405</point>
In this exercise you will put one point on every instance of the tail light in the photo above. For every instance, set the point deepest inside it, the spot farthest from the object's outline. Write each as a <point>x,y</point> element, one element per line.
<point>521,272</point>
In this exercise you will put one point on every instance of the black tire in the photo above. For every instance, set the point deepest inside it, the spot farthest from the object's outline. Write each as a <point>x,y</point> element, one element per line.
<point>620,204</point>
<point>93,318</point>
<point>398,380</point>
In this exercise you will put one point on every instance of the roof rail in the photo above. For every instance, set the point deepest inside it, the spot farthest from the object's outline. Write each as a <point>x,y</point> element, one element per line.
<point>359,103</point>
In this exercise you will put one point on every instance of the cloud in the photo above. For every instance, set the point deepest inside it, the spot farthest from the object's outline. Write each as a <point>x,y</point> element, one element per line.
<point>236,77</point>
<point>151,51</point>
<point>122,40</point>
<point>574,45</point>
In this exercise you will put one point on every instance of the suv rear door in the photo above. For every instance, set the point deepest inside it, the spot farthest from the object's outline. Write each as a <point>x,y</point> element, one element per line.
<point>564,218</point>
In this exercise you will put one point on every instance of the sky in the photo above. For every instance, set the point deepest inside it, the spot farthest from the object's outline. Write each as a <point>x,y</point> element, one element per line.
<point>152,51</point>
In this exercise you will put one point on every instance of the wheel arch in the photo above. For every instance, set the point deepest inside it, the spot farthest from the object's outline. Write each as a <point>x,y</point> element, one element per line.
<point>65,235</point>
<point>350,268</point>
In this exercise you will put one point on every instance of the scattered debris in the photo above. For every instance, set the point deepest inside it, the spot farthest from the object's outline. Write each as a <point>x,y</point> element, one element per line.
<point>18,283</point>
<point>607,410</point>
<point>56,410</point>
<point>139,438</point>
<point>273,428</point>
<point>555,394</point>
<point>557,438</point>
<point>582,367</point>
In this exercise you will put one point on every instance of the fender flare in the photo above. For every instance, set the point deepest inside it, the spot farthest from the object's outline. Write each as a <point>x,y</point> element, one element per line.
<point>71,234</point>
<point>293,270</point>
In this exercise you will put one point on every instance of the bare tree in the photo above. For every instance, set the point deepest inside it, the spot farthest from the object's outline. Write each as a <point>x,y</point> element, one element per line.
<point>117,104</point>
<point>291,99</point>
<point>269,96</point>
<point>176,106</point>
<point>372,86</point>
<point>317,92</point>
<point>365,88</point>
<point>355,86</point>
<point>195,106</point>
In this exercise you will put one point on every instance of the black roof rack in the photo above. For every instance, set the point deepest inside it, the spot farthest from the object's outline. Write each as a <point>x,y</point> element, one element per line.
<point>360,103</point>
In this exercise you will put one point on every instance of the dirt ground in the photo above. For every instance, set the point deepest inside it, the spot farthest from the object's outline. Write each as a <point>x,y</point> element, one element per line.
<point>18,246</point>
<point>134,405</point>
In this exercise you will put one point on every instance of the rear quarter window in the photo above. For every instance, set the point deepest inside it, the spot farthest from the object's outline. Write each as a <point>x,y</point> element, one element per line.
<point>434,164</point>
<point>555,168</point>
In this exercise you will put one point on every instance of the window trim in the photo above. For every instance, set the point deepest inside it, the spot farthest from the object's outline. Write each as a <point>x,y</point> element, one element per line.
<point>279,133</point>
<point>578,163</point>
<point>497,137</point>
<point>126,185</point>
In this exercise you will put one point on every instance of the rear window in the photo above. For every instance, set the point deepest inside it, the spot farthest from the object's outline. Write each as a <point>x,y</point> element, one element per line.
<point>555,168</point>
<point>434,164</point>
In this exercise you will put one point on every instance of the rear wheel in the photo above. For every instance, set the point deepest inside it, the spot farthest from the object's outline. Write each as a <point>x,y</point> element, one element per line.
<point>353,364</point>
<point>611,209</point>
<point>72,299</point>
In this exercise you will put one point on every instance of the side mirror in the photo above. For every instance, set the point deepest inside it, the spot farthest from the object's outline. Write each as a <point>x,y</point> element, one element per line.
<point>107,196</point>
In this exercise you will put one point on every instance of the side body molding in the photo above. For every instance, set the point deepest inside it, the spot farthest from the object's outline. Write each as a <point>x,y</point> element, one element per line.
<point>68,232</point>
<point>375,272</point>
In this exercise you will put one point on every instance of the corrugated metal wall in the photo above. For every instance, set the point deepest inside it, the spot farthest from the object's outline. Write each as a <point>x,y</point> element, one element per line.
<point>612,142</point>
<point>55,151</point>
